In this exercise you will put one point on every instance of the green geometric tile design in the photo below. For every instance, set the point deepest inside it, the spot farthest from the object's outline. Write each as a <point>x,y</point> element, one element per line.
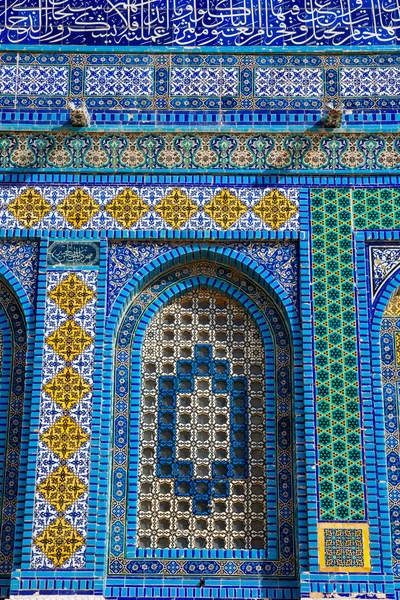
<point>338,404</point>
<point>376,209</point>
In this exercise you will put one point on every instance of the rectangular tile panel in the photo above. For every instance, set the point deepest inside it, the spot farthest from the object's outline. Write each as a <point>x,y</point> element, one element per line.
<point>288,82</point>
<point>369,81</point>
<point>34,80</point>
<point>204,81</point>
<point>119,81</point>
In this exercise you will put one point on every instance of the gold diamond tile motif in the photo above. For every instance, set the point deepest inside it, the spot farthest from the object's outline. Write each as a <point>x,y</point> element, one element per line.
<point>64,437</point>
<point>176,208</point>
<point>59,541</point>
<point>69,340</point>
<point>275,209</point>
<point>29,207</point>
<point>127,208</point>
<point>78,208</point>
<point>67,388</point>
<point>71,294</point>
<point>225,208</point>
<point>62,488</point>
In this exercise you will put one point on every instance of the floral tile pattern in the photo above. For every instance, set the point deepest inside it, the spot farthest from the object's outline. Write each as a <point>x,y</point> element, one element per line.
<point>61,501</point>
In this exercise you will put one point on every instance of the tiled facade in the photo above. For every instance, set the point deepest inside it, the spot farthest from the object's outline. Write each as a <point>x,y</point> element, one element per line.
<point>199,300</point>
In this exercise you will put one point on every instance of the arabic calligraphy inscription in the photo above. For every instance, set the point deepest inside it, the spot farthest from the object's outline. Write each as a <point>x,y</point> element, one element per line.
<point>75,254</point>
<point>200,22</point>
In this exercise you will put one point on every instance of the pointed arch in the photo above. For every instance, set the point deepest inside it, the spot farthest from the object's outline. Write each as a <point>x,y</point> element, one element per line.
<point>272,324</point>
<point>14,348</point>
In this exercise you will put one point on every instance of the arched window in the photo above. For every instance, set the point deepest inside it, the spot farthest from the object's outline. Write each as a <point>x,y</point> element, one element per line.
<point>202,476</point>
<point>202,466</point>
<point>390,364</point>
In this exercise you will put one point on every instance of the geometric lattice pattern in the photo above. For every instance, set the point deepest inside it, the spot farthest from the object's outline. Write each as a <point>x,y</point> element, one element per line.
<point>149,208</point>
<point>63,457</point>
<point>334,212</point>
<point>340,467</point>
<point>344,547</point>
<point>376,208</point>
<point>205,484</point>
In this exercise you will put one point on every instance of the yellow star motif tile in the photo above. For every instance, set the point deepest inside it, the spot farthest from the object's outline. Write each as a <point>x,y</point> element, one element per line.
<point>64,437</point>
<point>176,208</point>
<point>78,208</point>
<point>127,208</point>
<point>69,340</point>
<point>29,207</point>
<point>275,209</point>
<point>62,488</point>
<point>59,541</point>
<point>67,388</point>
<point>225,208</point>
<point>71,294</point>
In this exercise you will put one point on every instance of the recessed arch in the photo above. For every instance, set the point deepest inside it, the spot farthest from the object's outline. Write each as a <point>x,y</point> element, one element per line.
<point>132,329</point>
<point>14,346</point>
<point>385,345</point>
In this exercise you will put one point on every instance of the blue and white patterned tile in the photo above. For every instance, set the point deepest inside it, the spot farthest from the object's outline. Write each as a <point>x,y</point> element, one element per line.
<point>47,462</point>
<point>82,414</point>
<point>201,221</point>
<point>278,82</point>
<point>152,220</point>
<point>22,259</point>
<point>53,362</point>
<point>34,80</point>
<point>119,81</point>
<point>79,462</point>
<point>76,515</point>
<point>126,258</point>
<point>384,261</point>
<point>50,412</point>
<point>204,81</point>
<point>369,81</point>
<point>39,561</point>
<point>44,515</point>
<point>249,221</point>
